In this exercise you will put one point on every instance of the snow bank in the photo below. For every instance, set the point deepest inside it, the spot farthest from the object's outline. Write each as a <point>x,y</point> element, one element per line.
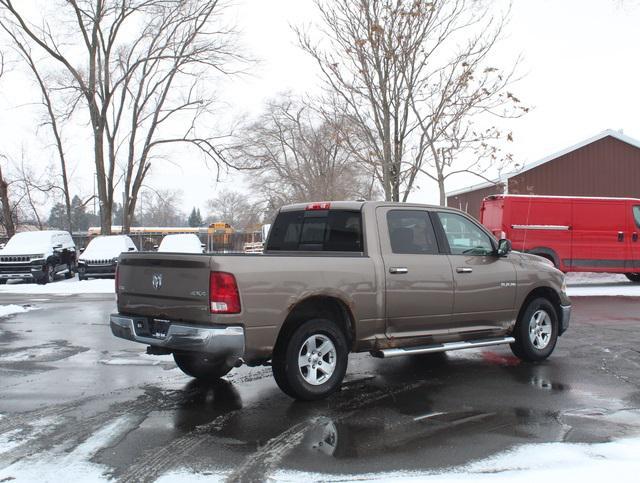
<point>14,309</point>
<point>62,287</point>
<point>601,285</point>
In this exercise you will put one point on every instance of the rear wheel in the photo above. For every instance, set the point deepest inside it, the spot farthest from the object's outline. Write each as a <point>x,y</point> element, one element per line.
<point>312,362</point>
<point>634,277</point>
<point>199,365</point>
<point>536,332</point>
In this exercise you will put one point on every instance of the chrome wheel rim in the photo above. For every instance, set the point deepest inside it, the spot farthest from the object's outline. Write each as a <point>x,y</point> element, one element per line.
<point>317,359</point>
<point>540,329</point>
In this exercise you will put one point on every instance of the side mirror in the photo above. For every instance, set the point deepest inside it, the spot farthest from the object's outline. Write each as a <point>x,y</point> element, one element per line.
<point>82,249</point>
<point>504,247</point>
<point>155,247</point>
<point>57,246</point>
<point>131,249</point>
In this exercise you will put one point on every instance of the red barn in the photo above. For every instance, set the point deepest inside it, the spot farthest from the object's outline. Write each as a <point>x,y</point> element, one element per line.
<point>605,165</point>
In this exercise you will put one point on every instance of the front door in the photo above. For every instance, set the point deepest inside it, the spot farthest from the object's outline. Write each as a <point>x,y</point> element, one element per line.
<point>485,284</point>
<point>418,277</point>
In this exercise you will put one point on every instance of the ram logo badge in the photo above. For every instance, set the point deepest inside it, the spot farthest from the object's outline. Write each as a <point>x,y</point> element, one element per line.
<point>156,280</point>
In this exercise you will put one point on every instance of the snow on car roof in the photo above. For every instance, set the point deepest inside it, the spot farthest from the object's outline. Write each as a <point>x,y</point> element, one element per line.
<point>107,246</point>
<point>35,240</point>
<point>181,243</point>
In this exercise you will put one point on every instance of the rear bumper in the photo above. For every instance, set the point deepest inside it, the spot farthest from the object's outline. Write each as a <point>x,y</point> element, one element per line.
<point>565,316</point>
<point>223,342</point>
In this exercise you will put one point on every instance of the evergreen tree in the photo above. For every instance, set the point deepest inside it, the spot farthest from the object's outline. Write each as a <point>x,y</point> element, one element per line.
<point>195,218</point>
<point>57,216</point>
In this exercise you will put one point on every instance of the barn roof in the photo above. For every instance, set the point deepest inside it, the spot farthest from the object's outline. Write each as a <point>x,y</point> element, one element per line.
<point>505,177</point>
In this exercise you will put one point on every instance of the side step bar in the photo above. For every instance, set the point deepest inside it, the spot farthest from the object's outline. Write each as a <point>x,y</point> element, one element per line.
<point>447,346</point>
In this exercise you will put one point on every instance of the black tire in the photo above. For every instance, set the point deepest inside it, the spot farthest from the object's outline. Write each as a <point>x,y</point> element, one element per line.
<point>81,277</point>
<point>288,374</point>
<point>71,273</point>
<point>198,365</point>
<point>48,276</point>
<point>526,328</point>
<point>633,277</point>
<point>3,281</point>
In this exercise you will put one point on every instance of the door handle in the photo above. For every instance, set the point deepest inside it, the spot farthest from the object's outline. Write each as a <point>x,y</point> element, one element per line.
<point>398,270</point>
<point>464,269</point>
<point>634,237</point>
<point>620,236</point>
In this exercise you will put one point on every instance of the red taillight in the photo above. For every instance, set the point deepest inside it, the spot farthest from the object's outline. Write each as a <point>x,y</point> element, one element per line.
<point>318,206</point>
<point>223,293</point>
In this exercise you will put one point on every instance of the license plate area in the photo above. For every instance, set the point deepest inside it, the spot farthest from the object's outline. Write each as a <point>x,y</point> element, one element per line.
<point>155,328</point>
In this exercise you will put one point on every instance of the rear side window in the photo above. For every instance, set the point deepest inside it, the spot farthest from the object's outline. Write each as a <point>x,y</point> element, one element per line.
<point>411,231</point>
<point>636,215</point>
<point>317,230</point>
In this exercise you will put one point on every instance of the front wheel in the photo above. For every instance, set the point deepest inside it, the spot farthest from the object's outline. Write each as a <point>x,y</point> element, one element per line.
<point>634,277</point>
<point>199,365</point>
<point>70,272</point>
<point>536,331</point>
<point>48,276</point>
<point>312,362</point>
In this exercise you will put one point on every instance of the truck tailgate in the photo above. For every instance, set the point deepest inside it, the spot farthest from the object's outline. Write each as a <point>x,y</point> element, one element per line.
<point>165,286</point>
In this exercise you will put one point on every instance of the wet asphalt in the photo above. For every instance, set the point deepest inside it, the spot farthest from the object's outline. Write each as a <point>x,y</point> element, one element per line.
<point>64,378</point>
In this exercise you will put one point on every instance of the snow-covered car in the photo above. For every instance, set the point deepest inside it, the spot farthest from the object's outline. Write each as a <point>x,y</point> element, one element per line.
<point>181,243</point>
<point>100,258</point>
<point>38,256</point>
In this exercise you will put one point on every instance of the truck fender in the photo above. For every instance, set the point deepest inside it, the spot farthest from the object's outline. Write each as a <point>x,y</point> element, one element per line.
<point>547,253</point>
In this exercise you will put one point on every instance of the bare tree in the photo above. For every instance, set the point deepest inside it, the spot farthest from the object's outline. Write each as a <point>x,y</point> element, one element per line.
<point>7,215</point>
<point>25,52</point>
<point>389,62</point>
<point>133,53</point>
<point>234,208</point>
<point>160,208</point>
<point>298,154</point>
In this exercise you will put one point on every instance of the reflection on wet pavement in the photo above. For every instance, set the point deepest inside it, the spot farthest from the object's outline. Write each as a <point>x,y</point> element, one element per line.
<point>421,413</point>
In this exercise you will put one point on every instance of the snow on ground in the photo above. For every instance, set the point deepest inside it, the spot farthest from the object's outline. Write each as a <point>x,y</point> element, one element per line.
<point>62,287</point>
<point>6,310</point>
<point>76,466</point>
<point>529,463</point>
<point>601,284</point>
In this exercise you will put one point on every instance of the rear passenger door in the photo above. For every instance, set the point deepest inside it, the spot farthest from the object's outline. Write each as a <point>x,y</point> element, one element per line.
<point>485,284</point>
<point>418,278</point>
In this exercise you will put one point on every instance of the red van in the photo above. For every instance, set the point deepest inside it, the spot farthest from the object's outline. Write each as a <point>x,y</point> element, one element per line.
<point>577,234</point>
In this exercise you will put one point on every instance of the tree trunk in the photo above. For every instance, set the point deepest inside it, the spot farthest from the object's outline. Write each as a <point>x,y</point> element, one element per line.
<point>443,193</point>
<point>6,207</point>
<point>103,197</point>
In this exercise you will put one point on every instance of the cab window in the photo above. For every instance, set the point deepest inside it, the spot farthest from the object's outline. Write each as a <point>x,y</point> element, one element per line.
<point>317,230</point>
<point>636,215</point>
<point>464,236</point>
<point>411,231</point>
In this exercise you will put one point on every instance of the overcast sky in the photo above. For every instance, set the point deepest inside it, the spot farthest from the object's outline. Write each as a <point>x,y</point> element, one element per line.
<point>580,66</point>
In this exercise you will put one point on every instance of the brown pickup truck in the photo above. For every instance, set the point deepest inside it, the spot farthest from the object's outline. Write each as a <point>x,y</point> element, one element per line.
<point>386,278</point>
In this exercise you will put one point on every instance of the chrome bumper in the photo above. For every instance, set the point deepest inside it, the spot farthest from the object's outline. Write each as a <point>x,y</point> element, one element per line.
<point>225,343</point>
<point>565,316</point>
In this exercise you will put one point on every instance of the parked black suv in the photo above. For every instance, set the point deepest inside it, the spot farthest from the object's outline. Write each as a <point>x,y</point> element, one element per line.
<point>38,256</point>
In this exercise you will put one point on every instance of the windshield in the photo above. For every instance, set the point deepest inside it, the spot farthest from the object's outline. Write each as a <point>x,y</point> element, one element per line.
<point>36,241</point>
<point>186,243</point>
